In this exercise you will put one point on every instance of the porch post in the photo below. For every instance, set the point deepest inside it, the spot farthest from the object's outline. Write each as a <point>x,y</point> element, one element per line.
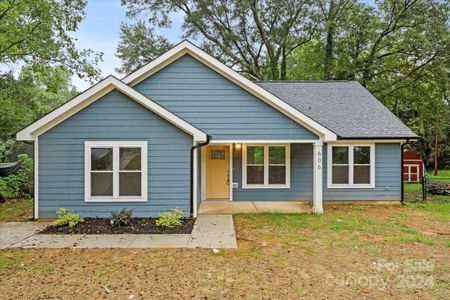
<point>317,177</point>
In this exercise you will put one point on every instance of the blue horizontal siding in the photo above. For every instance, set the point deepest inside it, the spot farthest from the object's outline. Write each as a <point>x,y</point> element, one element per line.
<point>216,105</point>
<point>113,117</point>
<point>301,178</point>
<point>387,177</point>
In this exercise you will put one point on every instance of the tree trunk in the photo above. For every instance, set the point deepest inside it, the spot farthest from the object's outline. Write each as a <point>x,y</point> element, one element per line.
<point>436,154</point>
<point>283,67</point>
<point>328,60</point>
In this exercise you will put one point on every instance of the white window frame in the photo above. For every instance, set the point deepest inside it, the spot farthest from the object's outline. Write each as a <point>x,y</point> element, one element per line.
<point>351,165</point>
<point>115,145</point>
<point>266,184</point>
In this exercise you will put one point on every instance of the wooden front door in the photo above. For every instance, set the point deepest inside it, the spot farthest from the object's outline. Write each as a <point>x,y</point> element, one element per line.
<point>217,172</point>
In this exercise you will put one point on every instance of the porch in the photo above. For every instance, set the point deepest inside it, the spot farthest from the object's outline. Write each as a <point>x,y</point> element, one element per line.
<point>218,207</point>
<point>258,176</point>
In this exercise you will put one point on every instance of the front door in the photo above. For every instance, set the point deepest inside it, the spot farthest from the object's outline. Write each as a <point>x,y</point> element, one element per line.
<point>217,172</point>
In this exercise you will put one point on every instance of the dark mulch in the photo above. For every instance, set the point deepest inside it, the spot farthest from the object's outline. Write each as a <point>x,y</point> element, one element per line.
<point>103,226</point>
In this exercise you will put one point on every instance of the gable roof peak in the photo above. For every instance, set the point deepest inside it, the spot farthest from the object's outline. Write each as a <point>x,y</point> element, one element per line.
<point>186,47</point>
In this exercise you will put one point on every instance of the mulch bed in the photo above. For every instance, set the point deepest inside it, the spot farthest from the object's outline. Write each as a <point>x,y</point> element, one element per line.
<point>103,226</point>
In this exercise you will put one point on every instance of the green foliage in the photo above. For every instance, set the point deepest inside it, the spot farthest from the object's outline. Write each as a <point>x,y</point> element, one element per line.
<point>17,185</point>
<point>123,217</point>
<point>67,217</point>
<point>38,33</point>
<point>7,148</point>
<point>138,45</point>
<point>398,49</point>
<point>34,93</point>
<point>170,219</point>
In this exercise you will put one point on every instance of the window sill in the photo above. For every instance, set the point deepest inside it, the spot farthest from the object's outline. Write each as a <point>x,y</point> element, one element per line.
<point>351,186</point>
<point>124,199</point>
<point>272,186</point>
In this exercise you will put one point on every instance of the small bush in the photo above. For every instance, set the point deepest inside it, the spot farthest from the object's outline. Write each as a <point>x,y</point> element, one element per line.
<point>20,183</point>
<point>170,219</point>
<point>67,217</point>
<point>122,217</point>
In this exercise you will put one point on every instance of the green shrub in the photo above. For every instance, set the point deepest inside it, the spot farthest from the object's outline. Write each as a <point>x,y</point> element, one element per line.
<point>123,217</point>
<point>19,184</point>
<point>170,219</point>
<point>67,217</point>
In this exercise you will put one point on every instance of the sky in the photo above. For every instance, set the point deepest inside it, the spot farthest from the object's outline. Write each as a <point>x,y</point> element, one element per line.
<point>100,31</point>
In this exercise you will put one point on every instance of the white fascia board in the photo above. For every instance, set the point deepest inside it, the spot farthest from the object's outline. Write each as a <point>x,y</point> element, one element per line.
<point>110,83</point>
<point>186,47</point>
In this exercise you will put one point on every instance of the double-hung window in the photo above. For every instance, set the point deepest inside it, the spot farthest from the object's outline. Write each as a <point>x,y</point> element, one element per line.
<point>266,166</point>
<point>115,171</point>
<point>351,166</point>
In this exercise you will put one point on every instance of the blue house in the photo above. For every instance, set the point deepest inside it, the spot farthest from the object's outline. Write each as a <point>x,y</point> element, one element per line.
<point>185,129</point>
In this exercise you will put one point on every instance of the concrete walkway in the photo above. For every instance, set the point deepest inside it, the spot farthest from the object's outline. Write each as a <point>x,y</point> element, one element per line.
<point>209,232</point>
<point>215,207</point>
<point>14,232</point>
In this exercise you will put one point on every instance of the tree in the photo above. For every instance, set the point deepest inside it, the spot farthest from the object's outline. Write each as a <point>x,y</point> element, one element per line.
<point>398,49</point>
<point>36,32</point>
<point>35,92</point>
<point>255,37</point>
<point>139,45</point>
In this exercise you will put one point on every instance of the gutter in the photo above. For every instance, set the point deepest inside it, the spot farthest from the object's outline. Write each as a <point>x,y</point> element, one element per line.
<point>198,146</point>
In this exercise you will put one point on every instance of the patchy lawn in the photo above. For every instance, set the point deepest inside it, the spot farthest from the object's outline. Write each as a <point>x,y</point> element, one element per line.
<point>349,252</point>
<point>443,176</point>
<point>17,210</point>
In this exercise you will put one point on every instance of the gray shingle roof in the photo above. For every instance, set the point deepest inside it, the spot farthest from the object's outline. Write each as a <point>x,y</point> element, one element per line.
<point>344,107</point>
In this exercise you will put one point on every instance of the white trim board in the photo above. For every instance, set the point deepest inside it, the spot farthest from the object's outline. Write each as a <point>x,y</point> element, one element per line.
<point>263,141</point>
<point>86,98</point>
<point>36,179</point>
<point>186,47</point>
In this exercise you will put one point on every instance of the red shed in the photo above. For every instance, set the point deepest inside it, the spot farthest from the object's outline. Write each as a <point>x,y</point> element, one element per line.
<point>412,166</point>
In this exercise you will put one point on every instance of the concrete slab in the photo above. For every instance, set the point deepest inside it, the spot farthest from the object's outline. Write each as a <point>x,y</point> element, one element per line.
<point>226,207</point>
<point>214,207</point>
<point>14,232</point>
<point>210,231</point>
<point>105,241</point>
<point>213,231</point>
<point>282,206</point>
<point>160,241</point>
<point>50,241</point>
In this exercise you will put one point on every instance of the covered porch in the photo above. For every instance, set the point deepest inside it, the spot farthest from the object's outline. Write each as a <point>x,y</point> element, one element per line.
<point>210,207</point>
<point>259,176</point>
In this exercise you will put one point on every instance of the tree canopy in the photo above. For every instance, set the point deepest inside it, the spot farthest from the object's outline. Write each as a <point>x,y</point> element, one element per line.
<point>398,49</point>
<point>36,38</point>
<point>37,32</point>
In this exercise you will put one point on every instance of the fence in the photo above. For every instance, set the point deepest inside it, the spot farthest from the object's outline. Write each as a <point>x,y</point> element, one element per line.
<point>434,186</point>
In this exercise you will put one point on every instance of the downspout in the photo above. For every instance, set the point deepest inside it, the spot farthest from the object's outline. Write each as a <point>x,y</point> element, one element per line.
<point>198,146</point>
<point>402,196</point>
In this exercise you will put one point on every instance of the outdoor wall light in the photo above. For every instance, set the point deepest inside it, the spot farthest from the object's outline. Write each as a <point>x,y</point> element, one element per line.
<point>238,146</point>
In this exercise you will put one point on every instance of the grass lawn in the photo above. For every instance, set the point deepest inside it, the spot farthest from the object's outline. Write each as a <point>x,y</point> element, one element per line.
<point>16,210</point>
<point>443,176</point>
<point>352,251</point>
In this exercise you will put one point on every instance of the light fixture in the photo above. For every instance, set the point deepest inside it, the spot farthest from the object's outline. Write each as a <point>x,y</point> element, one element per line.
<point>237,146</point>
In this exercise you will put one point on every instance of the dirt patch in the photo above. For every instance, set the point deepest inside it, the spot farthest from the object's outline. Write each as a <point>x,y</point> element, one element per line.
<point>103,226</point>
<point>350,252</point>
